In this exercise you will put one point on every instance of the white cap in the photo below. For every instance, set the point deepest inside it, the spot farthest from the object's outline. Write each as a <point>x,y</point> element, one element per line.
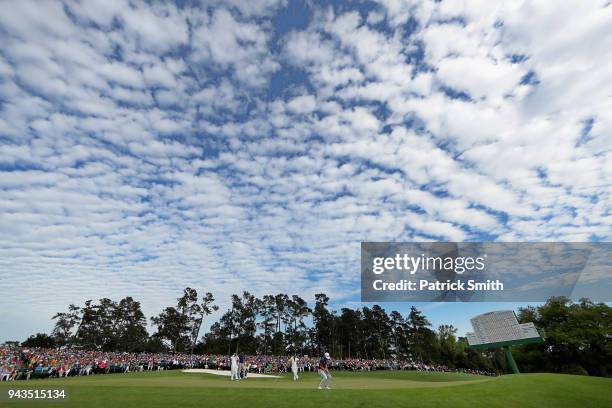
<point>327,356</point>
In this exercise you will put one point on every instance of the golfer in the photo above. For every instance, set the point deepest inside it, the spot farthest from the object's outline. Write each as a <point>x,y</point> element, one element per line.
<point>234,367</point>
<point>241,366</point>
<point>294,367</point>
<point>324,371</point>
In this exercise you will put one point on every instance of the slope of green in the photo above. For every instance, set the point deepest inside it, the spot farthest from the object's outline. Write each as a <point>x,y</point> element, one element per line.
<point>377,389</point>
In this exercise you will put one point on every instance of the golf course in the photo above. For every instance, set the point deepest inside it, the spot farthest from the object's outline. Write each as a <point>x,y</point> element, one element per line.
<point>367,389</point>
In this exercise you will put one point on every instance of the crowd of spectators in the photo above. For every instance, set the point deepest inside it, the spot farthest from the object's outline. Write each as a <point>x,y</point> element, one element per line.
<point>18,363</point>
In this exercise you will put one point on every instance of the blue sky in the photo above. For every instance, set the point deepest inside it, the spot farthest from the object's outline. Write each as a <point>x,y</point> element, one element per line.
<point>230,146</point>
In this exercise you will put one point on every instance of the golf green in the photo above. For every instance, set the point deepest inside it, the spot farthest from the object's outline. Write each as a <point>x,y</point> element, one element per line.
<point>372,389</point>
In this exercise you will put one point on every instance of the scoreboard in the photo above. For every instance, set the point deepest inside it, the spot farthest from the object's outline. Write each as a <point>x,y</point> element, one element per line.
<point>500,327</point>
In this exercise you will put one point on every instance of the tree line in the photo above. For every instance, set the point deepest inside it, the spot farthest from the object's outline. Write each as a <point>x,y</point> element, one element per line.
<point>577,335</point>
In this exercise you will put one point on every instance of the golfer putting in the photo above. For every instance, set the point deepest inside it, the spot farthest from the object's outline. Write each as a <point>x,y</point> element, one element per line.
<point>324,372</point>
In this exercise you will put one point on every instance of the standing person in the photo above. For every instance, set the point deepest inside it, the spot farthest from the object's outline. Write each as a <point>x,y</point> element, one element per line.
<point>294,367</point>
<point>324,371</point>
<point>241,365</point>
<point>247,367</point>
<point>234,367</point>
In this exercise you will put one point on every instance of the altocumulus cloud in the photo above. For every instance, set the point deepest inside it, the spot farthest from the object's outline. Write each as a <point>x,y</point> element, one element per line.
<point>252,145</point>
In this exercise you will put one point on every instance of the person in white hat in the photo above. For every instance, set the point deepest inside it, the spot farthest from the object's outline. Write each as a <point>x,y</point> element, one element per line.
<point>324,371</point>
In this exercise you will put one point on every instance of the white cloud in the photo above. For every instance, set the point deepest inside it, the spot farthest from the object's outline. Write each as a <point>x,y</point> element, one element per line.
<point>240,46</point>
<point>145,147</point>
<point>302,104</point>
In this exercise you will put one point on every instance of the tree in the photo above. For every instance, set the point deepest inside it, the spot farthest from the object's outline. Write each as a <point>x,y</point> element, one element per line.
<point>95,330</point>
<point>421,338</point>
<point>106,325</point>
<point>217,340</point>
<point>267,310</point>
<point>188,306</point>
<point>41,340</point>
<point>173,326</point>
<point>237,327</point>
<point>130,326</point>
<point>206,308</point>
<point>351,328</point>
<point>281,301</point>
<point>377,332</point>
<point>383,330</point>
<point>398,328</point>
<point>577,338</point>
<point>298,310</point>
<point>447,345</point>
<point>323,321</point>
<point>66,324</point>
<point>195,312</point>
<point>180,326</point>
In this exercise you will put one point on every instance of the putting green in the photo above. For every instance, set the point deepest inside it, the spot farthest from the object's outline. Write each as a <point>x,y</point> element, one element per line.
<point>374,389</point>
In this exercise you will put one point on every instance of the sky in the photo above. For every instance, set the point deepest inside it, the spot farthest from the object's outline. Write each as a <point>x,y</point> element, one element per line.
<point>233,145</point>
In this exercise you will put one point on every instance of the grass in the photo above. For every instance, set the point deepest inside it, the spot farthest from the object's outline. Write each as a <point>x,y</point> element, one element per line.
<point>375,389</point>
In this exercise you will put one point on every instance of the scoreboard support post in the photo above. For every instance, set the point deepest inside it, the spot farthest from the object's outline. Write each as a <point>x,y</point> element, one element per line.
<point>511,362</point>
<point>505,347</point>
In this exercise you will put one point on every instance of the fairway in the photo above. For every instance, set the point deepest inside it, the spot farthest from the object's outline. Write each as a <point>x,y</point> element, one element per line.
<point>372,389</point>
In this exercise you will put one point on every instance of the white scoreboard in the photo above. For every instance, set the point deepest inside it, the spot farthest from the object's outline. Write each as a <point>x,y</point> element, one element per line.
<point>500,326</point>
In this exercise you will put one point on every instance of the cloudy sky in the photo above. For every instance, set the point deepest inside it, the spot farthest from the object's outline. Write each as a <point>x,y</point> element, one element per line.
<point>233,145</point>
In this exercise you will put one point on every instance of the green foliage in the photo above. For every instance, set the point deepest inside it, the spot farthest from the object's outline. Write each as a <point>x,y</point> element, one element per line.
<point>172,326</point>
<point>106,325</point>
<point>279,343</point>
<point>577,338</point>
<point>178,328</point>
<point>39,340</point>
